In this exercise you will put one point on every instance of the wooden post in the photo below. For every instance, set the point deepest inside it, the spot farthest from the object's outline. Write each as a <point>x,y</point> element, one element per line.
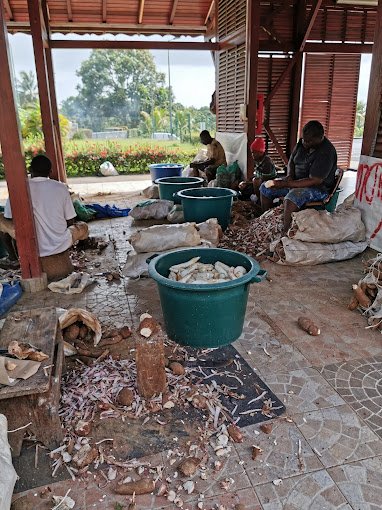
<point>40,41</point>
<point>252,49</point>
<point>53,99</point>
<point>300,10</point>
<point>56,122</point>
<point>15,171</point>
<point>373,111</point>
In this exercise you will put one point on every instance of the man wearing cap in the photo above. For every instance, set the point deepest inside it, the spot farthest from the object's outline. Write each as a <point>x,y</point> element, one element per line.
<point>311,173</point>
<point>264,169</point>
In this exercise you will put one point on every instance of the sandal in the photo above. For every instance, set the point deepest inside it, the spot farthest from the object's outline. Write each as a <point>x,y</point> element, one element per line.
<point>7,263</point>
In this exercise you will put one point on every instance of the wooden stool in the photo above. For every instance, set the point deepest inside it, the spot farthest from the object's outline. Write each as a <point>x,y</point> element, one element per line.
<point>57,266</point>
<point>34,400</point>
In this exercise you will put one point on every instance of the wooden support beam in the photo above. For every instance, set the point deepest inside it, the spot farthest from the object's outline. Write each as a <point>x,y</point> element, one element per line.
<point>8,9</point>
<point>141,10</point>
<point>312,18</point>
<point>266,21</point>
<point>343,48</point>
<point>69,10</point>
<point>272,34</point>
<point>61,171</point>
<point>104,11</point>
<point>14,165</point>
<point>113,28</point>
<point>373,108</point>
<point>36,18</point>
<point>298,29</point>
<point>137,45</point>
<point>212,5</point>
<point>280,79</point>
<point>273,137</point>
<point>234,39</point>
<point>252,50</point>
<point>317,47</point>
<point>295,104</point>
<point>173,12</point>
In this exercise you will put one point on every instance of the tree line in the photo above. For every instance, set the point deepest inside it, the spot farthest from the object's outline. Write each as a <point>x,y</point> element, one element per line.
<point>117,89</point>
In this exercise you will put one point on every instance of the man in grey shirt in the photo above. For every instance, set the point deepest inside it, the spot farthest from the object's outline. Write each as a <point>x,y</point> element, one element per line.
<point>311,173</point>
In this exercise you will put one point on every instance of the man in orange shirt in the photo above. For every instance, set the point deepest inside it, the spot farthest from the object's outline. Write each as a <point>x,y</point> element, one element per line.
<point>215,156</point>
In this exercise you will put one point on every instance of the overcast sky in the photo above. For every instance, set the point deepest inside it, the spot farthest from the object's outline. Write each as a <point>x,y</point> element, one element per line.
<point>192,72</point>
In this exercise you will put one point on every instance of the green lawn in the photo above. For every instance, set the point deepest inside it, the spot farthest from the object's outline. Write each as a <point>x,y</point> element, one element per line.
<point>124,144</point>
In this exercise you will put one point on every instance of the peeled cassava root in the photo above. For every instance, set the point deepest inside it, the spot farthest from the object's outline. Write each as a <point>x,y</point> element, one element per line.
<point>361,296</point>
<point>309,326</point>
<point>353,303</point>
<point>142,486</point>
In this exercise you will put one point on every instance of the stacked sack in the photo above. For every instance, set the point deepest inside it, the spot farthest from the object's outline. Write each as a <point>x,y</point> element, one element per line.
<point>316,237</point>
<point>165,238</point>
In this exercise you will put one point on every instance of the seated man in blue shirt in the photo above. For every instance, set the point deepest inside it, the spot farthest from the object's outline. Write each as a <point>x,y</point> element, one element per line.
<point>311,173</point>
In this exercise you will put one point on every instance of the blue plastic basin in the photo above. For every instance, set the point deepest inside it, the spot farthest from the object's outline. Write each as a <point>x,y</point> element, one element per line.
<point>165,170</point>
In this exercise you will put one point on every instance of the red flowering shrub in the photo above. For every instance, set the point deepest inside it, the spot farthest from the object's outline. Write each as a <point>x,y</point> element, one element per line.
<point>85,158</point>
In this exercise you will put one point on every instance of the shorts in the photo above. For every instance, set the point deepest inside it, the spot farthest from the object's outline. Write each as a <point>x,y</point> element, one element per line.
<point>299,196</point>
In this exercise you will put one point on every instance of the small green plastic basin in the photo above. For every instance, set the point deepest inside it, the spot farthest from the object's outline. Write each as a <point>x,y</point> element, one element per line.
<point>205,316</point>
<point>201,204</point>
<point>169,186</point>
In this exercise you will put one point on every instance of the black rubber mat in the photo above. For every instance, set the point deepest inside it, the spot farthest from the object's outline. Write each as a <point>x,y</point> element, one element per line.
<point>228,368</point>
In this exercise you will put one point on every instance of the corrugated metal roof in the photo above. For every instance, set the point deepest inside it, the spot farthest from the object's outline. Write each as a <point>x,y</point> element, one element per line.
<point>178,17</point>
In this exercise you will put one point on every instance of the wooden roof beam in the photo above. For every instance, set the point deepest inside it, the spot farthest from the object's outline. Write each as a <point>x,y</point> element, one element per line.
<point>141,10</point>
<point>69,10</point>
<point>113,28</point>
<point>8,9</point>
<point>104,11</point>
<point>209,12</point>
<point>136,45</point>
<point>173,12</point>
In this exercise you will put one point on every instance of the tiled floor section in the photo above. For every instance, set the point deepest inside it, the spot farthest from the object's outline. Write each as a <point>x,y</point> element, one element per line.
<point>326,452</point>
<point>359,382</point>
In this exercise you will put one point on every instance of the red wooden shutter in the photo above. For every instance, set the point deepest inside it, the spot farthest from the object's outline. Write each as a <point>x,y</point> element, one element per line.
<point>230,66</point>
<point>330,96</point>
<point>278,111</point>
<point>231,88</point>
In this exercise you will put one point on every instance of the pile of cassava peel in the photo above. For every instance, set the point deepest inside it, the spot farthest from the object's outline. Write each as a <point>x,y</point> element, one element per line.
<point>367,293</point>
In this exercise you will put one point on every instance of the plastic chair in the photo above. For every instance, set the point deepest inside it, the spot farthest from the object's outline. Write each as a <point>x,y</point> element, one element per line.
<point>330,202</point>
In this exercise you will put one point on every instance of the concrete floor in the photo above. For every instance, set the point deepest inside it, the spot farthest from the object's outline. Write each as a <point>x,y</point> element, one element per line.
<point>331,385</point>
<point>135,183</point>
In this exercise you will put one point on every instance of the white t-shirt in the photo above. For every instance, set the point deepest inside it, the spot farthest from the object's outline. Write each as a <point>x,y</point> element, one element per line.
<point>52,207</point>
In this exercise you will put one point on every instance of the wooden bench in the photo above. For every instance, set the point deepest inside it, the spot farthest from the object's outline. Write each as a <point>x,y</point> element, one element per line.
<point>34,400</point>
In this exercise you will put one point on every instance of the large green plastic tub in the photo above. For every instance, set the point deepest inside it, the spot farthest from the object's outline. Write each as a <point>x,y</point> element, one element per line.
<point>201,204</point>
<point>168,186</point>
<point>210,315</point>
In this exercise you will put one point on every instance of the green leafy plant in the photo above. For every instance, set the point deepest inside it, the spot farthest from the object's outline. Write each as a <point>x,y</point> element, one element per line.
<point>84,157</point>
